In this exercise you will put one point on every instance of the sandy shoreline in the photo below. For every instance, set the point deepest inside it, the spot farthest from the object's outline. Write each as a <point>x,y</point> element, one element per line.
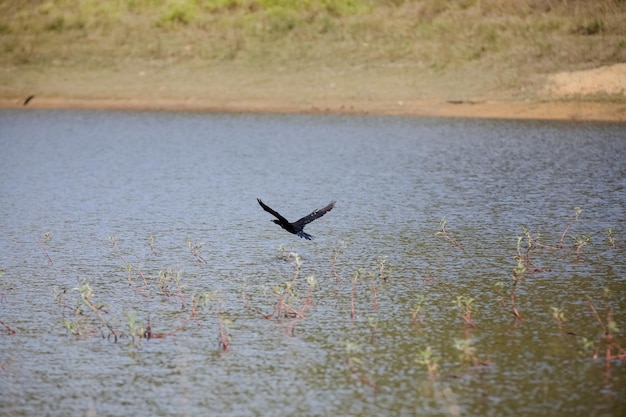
<point>554,110</point>
<point>560,96</point>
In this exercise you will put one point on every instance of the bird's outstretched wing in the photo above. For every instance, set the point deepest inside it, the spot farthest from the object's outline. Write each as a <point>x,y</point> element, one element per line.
<point>272,212</point>
<point>315,215</point>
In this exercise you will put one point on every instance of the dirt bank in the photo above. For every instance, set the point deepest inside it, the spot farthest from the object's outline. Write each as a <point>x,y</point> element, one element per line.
<point>567,110</point>
<point>597,94</point>
<point>610,80</point>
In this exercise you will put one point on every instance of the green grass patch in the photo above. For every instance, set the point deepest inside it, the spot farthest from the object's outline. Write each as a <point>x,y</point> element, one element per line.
<point>521,39</point>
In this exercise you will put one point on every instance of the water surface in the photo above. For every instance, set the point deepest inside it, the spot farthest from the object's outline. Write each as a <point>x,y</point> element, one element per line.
<point>110,197</point>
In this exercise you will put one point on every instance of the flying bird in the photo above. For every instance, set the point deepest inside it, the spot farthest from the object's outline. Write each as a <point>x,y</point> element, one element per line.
<point>297,227</point>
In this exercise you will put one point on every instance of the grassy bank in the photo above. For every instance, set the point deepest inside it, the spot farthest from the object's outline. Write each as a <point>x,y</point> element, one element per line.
<point>309,50</point>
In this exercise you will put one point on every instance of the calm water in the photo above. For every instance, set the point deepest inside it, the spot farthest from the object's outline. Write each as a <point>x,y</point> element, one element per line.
<point>110,197</point>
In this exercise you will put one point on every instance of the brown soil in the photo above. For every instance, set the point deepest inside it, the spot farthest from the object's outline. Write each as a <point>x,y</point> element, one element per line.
<point>603,80</point>
<point>564,96</point>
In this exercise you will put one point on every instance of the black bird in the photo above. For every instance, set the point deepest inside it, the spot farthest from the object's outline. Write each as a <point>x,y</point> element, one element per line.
<point>297,227</point>
<point>28,99</point>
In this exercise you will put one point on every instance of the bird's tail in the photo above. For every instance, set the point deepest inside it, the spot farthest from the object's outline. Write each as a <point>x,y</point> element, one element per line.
<point>305,235</point>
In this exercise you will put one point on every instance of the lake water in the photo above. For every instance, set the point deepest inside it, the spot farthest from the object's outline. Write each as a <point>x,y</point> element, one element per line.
<point>112,223</point>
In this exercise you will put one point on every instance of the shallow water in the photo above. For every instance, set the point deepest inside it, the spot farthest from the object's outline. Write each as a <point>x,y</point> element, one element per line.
<point>115,197</point>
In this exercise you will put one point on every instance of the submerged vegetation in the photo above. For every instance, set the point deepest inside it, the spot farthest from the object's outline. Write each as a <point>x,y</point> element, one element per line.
<point>5,289</point>
<point>450,335</point>
<point>361,296</point>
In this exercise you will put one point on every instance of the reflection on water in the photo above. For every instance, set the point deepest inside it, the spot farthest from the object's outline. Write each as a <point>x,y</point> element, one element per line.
<point>172,190</point>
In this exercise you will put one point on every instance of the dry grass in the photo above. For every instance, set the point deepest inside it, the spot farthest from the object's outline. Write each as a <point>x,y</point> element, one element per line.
<point>178,48</point>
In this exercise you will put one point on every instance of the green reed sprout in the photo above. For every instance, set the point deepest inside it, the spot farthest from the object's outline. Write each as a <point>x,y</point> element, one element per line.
<point>577,211</point>
<point>520,268</point>
<point>417,307</point>
<point>169,283</point>
<point>355,280</point>
<point>611,237</point>
<point>74,327</point>
<point>355,365</point>
<point>373,325</point>
<point>580,242</point>
<point>466,307</point>
<point>337,250</point>
<point>194,248</point>
<point>559,316</point>
<point>129,267</point>
<point>223,330</point>
<point>3,296</point>
<point>44,245</point>
<point>383,268</point>
<point>425,357</point>
<point>442,232</point>
<point>468,351</point>
<point>613,350</point>
<point>136,329</point>
<point>288,302</point>
<point>97,308</point>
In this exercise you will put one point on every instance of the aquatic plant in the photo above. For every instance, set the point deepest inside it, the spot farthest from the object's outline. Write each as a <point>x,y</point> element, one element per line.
<point>426,357</point>
<point>287,302</point>
<point>79,323</point>
<point>199,303</point>
<point>372,323</point>
<point>417,308</point>
<point>199,312</point>
<point>337,250</point>
<point>383,268</point>
<point>286,298</point>
<point>136,329</point>
<point>467,351</point>
<point>612,349</point>
<point>75,326</point>
<point>580,242</point>
<point>223,330</point>
<point>44,244</point>
<point>194,248</point>
<point>170,286</point>
<point>441,393</point>
<point>130,268</point>
<point>89,314</point>
<point>577,211</point>
<point>466,307</point>
<point>380,272</point>
<point>611,237</point>
<point>559,316</point>
<point>513,309</point>
<point>3,298</point>
<point>526,265</point>
<point>524,262</point>
<point>151,242</point>
<point>354,281</point>
<point>7,327</point>
<point>85,299</point>
<point>442,232</point>
<point>560,244</point>
<point>374,291</point>
<point>285,293</point>
<point>356,366</point>
<point>523,265</point>
<point>247,301</point>
<point>290,300</point>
